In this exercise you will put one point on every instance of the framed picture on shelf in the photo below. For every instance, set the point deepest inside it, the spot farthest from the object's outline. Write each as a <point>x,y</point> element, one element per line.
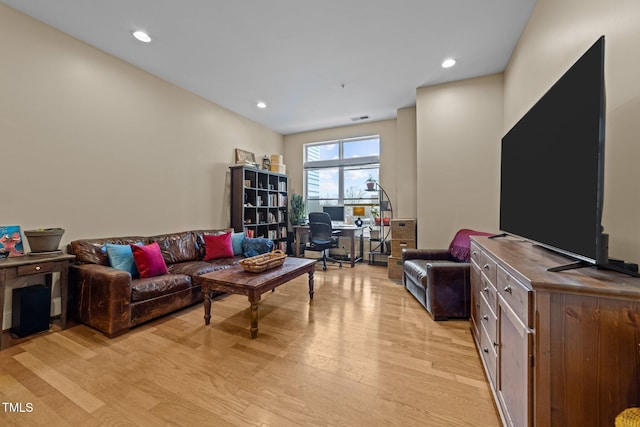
<point>10,241</point>
<point>243,157</point>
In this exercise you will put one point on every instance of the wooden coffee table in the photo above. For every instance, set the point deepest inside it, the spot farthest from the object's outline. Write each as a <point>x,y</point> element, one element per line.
<point>238,281</point>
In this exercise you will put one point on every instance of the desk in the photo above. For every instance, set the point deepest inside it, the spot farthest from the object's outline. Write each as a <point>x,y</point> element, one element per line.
<point>350,232</point>
<point>37,265</point>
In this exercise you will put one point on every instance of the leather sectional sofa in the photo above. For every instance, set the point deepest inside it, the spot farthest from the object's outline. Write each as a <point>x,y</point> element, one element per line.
<point>112,301</point>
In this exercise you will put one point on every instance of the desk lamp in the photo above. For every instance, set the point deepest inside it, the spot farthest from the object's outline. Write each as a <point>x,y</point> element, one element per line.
<point>359,212</point>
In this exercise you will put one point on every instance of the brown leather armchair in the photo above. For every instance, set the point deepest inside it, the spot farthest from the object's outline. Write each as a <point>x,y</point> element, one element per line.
<point>439,278</point>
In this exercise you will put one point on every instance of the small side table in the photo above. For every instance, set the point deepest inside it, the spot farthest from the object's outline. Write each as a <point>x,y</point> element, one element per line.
<point>36,265</point>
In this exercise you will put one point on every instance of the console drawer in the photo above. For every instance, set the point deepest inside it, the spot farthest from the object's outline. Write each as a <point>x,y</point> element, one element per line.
<point>43,267</point>
<point>488,290</point>
<point>488,353</point>
<point>516,295</point>
<point>489,267</point>
<point>476,254</point>
<point>488,318</point>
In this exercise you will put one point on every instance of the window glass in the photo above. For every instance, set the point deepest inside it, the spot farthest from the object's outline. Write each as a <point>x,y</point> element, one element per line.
<point>336,173</point>
<point>328,151</point>
<point>361,148</point>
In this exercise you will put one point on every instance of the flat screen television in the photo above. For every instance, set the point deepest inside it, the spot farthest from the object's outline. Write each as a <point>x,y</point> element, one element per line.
<point>552,166</point>
<point>335,212</point>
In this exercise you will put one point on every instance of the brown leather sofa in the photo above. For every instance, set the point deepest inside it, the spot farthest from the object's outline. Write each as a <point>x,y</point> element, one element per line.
<point>111,301</point>
<point>439,278</point>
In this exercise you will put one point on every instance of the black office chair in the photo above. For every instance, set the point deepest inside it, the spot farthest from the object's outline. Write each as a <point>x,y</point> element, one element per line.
<point>322,237</point>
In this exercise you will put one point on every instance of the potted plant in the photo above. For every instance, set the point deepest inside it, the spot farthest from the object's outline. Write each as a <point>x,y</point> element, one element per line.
<point>375,212</point>
<point>371,183</point>
<point>44,239</point>
<point>296,209</point>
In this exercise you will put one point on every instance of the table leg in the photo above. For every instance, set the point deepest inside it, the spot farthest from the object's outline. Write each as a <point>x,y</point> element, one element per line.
<point>353,248</point>
<point>254,319</point>
<point>64,293</point>
<point>311,285</point>
<point>3,275</point>
<point>207,304</point>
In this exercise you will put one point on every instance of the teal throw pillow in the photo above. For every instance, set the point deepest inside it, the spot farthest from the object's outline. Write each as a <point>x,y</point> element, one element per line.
<point>121,257</point>
<point>236,242</point>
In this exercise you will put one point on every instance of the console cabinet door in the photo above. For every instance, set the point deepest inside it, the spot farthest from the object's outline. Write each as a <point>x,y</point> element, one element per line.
<point>515,343</point>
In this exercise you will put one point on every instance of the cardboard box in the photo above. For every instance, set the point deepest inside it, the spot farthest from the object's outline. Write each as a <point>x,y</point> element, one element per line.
<point>397,245</point>
<point>394,266</point>
<point>403,229</point>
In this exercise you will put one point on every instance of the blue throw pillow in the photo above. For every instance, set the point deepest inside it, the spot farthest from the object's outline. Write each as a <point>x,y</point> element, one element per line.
<point>256,246</point>
<point>121,257</point>
<point>236,242</point>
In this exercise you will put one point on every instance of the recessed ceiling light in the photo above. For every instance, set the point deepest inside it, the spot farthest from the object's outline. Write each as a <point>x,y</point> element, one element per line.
<point>142,36</point>
<point>448,63</point>
<point>261,105</point>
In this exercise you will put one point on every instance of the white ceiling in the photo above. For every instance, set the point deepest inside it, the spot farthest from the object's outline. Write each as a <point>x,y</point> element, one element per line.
<point>296,55</point>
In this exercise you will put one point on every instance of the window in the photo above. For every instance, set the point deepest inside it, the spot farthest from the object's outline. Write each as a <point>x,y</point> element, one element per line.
<point>335,173</point>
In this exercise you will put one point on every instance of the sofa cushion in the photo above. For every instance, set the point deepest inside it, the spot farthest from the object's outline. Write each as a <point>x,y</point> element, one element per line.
<point>146,288</point>
<point>196,268</point>
<point>461,243</point>
<point>121,257</point>
<point>91,251</point>
<point>217,246</point>
<point>149,260</point>
<point>177,247</point>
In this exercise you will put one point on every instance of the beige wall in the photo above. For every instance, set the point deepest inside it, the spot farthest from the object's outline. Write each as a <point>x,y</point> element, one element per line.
<point>556,35</point>
<point>293,151</point>
<point>459,127</point>
<point>406,167</point>
<point>101,148</point>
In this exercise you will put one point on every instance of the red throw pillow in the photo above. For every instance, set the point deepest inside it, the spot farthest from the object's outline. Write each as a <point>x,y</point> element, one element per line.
<point>148,259</point>
<point>218,246</point>
<point>460,245</point>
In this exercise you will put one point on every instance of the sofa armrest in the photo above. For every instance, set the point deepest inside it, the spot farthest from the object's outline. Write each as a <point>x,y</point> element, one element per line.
<point>447,272</point>
<point>434,254</point>
<point>101,297</point>
<point>448,291</point>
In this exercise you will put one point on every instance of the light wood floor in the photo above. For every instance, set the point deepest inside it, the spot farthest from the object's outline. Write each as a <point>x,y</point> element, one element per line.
<point>363,353</point>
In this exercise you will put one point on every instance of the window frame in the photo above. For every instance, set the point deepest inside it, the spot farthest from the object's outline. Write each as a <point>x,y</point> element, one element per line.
<point>342,165</point>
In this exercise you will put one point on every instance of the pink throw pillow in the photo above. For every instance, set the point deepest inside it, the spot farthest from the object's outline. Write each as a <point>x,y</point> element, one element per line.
<point>148,259</point>
<point>218,246</point>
